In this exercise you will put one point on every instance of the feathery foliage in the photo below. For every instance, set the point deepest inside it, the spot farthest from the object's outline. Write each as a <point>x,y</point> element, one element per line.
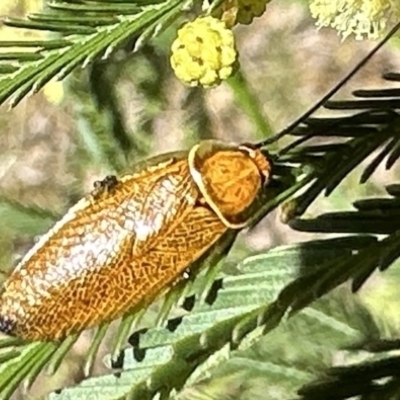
<point>221,314</point>
<point>85,31</point>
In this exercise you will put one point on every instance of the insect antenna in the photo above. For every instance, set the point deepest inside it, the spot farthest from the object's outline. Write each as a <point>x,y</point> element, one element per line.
<point>324,99</point>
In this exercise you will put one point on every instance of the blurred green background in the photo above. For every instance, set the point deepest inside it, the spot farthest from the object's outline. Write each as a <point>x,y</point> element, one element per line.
<point>55,144</point>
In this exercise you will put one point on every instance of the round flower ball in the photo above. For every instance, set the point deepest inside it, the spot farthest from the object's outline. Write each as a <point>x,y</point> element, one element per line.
<point>204,52</point>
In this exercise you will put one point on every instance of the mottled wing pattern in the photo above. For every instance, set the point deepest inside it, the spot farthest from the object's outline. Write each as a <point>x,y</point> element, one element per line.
<point>165,200</point>
<point>164,262</point>
<point>85,270</point>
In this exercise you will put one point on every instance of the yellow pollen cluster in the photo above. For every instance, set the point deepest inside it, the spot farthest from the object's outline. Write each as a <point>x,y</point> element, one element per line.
<point>204,52</point>
<point>361,18</point>
<point>240,11</point>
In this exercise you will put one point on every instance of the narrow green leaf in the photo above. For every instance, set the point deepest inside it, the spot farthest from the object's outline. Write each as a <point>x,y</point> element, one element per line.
<point>249,104</point>
<point>383,205</point>
<point>394,156</point>
<point>15,370</point>
<point>125,328</point>
<point>349,222</point>
<point>9,355</point>
<point>77,20</point>
<point>21,57</point>
<point>360,379</point>
<point>9,341</point>
<point>66,29</point>
<point>393,190</point>
<point>109,8</point>
<point>8,68</point>
<point>40,361</point>
<point>59,354</point>
<point>370,93</point>
<point>94,349</point>
<point>362,104</point>
<point>44,44</point>
<point>374,164</point>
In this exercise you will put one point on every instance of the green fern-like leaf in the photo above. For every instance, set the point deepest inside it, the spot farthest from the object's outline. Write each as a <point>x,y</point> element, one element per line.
<point>163,358</point>
<point>166,360</point>
<point>91,30</point>
<point>234,315</point>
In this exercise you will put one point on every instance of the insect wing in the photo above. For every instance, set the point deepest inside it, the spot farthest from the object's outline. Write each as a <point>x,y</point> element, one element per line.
<point>166,200</point>
<point>170,256</point>
<point>66,282</point>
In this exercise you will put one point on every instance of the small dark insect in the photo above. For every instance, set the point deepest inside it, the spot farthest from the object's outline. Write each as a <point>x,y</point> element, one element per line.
<point>106,185</point>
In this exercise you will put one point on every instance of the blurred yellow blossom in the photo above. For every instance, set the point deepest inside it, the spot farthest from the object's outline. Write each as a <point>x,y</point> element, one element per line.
<point>20,8</point>
<point>240,11</point>
<point>361,18</point>
<point>54,92</point>
<point>204,52</point>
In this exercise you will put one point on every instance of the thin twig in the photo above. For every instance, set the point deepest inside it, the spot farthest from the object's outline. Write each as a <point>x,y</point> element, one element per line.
<point>331,93</point>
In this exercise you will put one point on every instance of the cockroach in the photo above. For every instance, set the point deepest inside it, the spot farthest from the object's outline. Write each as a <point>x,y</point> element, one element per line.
<point>130,239</point>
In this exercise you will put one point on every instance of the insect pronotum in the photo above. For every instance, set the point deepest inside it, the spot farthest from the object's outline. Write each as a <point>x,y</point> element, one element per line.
<point>131,238</point>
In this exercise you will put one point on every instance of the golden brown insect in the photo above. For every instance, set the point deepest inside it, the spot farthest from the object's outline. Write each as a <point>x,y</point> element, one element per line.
<point>130,240</point>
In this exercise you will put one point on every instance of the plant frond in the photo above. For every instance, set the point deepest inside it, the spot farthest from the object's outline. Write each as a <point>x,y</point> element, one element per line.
<point>376,378</point>
<point>358,136</point>
<point>294,353</point>
<point>371,216</point>
<point>163,358</point>
<point>92,30</point>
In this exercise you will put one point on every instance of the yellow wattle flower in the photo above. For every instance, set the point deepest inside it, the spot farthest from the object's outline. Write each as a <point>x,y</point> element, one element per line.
<point>204,52</point>
<point>361,18</point>
<point>54,92</point>
<point>240,11</point>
